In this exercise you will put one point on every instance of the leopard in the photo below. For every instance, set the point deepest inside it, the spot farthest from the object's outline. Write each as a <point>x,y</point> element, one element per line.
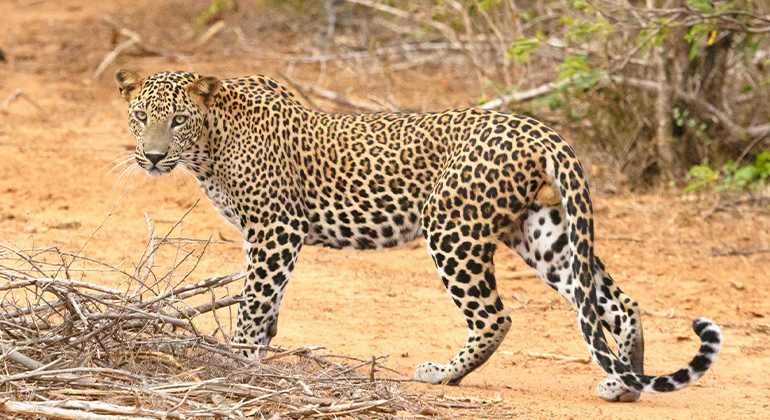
<point>468,181</point>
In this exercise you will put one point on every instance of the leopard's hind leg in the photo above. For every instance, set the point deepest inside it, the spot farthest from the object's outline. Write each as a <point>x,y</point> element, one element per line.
<point>621,316</point>
<point>542,239</point>
<point>462,244</point>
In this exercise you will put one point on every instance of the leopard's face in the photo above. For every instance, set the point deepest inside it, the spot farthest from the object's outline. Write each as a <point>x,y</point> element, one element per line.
<point>163,131</point>
<point>166,116</point>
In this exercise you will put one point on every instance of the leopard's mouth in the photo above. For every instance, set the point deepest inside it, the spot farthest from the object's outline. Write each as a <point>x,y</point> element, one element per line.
<point>157,169</point>
<point>157,172</point>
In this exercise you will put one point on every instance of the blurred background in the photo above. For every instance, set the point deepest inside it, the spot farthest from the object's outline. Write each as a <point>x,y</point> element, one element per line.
<point>653,92</point>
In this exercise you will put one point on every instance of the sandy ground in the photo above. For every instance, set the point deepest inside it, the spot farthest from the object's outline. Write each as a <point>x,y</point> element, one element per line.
<point>55,188</point>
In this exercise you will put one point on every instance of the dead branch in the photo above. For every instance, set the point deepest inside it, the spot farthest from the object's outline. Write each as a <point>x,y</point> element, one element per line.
<point>559,357</point>
<point>210,33</point>
<point>419,47</point>
<point>526,95</point>
<point>445,29</point>
<point>20,358</point>
<point>141,352</point>
<point>743,252</point>
<point>340,409</point>
<point>189,290</point>
<point>213,306</point>
<point>335,96</point>
<point>133,39</point>
<point>18,93</point>
<point>96,406</point>
<point>30,409</point>
<point>735,129</point>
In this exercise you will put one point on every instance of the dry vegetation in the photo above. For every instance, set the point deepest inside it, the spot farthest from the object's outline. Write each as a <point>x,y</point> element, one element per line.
<point>655,87</point>
<point>77,350</point>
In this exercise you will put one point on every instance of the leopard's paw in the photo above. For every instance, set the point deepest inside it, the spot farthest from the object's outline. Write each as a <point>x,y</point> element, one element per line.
<point>612,390</point>
<point>431,373</point>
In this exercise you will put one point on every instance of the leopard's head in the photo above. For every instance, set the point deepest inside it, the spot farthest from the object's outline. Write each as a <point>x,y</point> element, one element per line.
<point>166,114</point>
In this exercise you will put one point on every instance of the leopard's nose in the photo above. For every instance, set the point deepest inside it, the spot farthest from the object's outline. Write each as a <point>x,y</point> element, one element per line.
<point>155,157</point>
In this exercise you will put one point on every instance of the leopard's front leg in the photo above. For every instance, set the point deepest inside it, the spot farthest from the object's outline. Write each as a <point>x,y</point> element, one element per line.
<point>271,253</point>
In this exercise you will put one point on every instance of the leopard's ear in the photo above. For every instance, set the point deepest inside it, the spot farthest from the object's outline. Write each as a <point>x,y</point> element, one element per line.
<point>205,88</point>
<point>129,83</point>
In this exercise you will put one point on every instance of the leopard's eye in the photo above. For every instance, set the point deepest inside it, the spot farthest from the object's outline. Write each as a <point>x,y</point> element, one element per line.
<point>141,116</point>
<point>179,120</point>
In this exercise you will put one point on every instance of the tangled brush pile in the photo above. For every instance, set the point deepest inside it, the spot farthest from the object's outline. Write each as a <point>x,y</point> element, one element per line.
<point>75,350</point>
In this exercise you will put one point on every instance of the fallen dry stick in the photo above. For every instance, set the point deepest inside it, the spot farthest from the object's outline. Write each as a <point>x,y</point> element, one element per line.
<point>18,93</point>
<point>521,274</point>
<point>100,321</point>
<point>139,351</point>
<point>341,409</point>
<point>30,409</point>
<point>133,40</point>
<point>20,358</point>
<point>559,357</point>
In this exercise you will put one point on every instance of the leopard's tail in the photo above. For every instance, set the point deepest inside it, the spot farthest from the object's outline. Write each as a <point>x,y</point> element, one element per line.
<point>566,175</point>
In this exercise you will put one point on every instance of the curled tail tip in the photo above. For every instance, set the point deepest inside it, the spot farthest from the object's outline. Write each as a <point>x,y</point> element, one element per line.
<point>700,324</point>
<point>708,331</point>
<point>711,343</point>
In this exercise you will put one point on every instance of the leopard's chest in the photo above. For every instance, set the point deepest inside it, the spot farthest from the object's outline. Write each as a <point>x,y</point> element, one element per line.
<point>221,201</point>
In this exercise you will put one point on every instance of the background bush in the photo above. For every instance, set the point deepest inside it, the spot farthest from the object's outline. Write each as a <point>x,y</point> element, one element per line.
<point>656,88</point>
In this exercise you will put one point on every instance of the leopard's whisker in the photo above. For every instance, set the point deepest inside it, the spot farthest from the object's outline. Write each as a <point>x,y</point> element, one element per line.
<point>137,171</point>
<point>176,172</point>
<point>123,174</point>
<point>188,174</point>
<point>118,162</point>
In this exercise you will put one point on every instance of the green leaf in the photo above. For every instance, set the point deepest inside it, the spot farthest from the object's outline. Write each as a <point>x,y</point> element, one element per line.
<point>703,6</point>
<point>751,48</point>
<point>701,172</point>
<point>488,4</point>
<point>763,158</point>
<point>698,33</point>
<point>744,176</point>
<point>553,100</point>
<point>580,29</point>
<point>586,80</point>
<point>205,15</point>
<point>571,66</point>
<point>704,177</point>
<point>522,48</point>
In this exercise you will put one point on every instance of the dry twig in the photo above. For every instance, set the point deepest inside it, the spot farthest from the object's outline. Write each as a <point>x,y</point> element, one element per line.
<point>18,93</point>
<point>133,39</point>
<point>306,88</point>
<point>139,351</point>
<point>559,357</point>
<point>743,252</point>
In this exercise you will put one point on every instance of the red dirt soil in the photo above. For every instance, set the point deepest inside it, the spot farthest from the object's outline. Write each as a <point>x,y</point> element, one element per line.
<point>55,189</point>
